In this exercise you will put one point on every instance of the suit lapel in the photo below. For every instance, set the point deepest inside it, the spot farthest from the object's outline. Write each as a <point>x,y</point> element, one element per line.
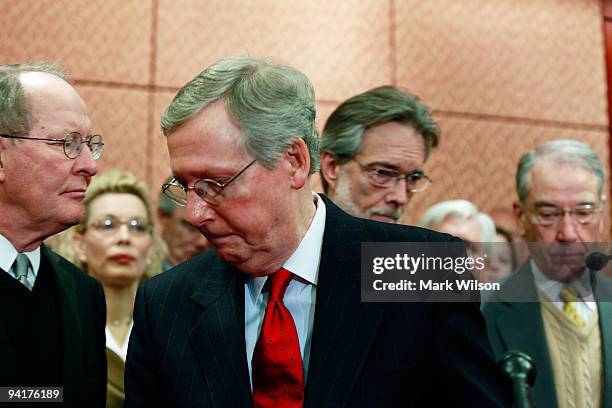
<point>5,345</point>
<point>217,336</point>
<point>344,328</point>
<point>522,328</point>
<point>70,324</point>
<point>605,322</point>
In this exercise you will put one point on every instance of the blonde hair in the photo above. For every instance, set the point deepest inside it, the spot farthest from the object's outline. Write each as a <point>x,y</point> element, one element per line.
<point>114,181</point>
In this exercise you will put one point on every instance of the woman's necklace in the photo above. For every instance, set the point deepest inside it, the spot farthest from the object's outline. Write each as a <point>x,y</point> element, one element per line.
<point>121,322</point>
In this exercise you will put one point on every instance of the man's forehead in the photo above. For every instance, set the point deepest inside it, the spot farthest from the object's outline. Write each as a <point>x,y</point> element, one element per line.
<point>561,183</point>
<point>394,144</point>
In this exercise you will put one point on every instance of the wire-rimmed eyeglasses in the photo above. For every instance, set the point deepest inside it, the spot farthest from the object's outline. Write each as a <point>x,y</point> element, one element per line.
<point>72,143</point>
<point>207,189</point>
<point>110,225</point>
<point>550,216</point>
<point>416,181</point>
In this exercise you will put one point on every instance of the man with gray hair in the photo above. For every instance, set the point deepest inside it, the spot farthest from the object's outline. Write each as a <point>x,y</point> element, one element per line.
<point>52,315</point>
<point>548,309</point>
<point>273,317</point>
<point>373,149</point>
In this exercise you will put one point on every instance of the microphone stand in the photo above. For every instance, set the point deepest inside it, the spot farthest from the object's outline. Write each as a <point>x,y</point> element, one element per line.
<point>521,371</point>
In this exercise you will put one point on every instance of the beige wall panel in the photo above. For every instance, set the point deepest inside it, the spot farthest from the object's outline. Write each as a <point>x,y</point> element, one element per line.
<point>343,46</point>
<point>539,59</point>
<point>477,161</point>
<point>96,40</point>
<point>161,167</point>
<point>120,116</point>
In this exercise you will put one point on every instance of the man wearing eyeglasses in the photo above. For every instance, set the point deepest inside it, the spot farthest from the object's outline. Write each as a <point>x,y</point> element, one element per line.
<point>548,308</point>
<point>273,317</point>
<point>373,149</point>
<point>52,315</point>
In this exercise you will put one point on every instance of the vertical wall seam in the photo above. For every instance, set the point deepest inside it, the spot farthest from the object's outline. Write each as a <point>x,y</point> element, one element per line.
<point>392,43</point>
<point>151,132</point>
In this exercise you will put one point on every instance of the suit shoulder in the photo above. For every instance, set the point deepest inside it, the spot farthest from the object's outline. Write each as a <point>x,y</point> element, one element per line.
<point>65,266</point>
<point>189,272</point>
<point>400,232</point>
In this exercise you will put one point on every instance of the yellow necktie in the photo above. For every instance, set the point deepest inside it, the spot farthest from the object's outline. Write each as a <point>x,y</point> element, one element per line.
<point>569,295</point>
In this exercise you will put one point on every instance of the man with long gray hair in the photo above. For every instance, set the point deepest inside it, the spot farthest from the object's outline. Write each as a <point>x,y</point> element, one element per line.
<point>52,315</point>
<point>550,307</point>
<point>373,149</point>
<point>273,317</point>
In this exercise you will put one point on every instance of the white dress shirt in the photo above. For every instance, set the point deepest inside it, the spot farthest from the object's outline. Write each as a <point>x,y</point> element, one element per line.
<point>8,254</point>
<point>300,295</point>
<point>585,303</point>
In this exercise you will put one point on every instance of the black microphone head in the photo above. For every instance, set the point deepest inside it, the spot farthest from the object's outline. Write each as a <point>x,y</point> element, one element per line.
<point>518,364</point>
<point>596,261</point>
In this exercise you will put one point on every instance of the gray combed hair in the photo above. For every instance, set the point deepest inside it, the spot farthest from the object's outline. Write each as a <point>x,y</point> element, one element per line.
<point>559,152</point>
<point>14,115</point>
<point>344,130</point>
<point>272,104</point>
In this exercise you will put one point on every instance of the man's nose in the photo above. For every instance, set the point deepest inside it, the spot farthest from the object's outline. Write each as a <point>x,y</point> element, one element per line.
<point>198,211</point>
<point>84,164</point>
<point>567,229</point>
<point>398,193</point>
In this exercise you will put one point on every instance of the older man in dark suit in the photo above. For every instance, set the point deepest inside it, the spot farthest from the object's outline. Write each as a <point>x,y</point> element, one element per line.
<point>52,315</point>
<point>273,317</point>
<point>550,308</point>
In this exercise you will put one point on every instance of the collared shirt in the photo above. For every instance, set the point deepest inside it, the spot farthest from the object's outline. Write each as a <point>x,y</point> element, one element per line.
<point>585,304</point>
<point>300,295</point>
<point>8,254</point>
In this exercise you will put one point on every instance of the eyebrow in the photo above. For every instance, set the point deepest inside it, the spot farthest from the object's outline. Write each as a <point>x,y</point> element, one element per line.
<point>539,204</point>
<point>393,167</point>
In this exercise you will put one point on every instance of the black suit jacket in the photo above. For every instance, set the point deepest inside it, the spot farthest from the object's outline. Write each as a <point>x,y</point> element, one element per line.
<point>514,325</point>
<point>187,348</point>
<point>83,313</point>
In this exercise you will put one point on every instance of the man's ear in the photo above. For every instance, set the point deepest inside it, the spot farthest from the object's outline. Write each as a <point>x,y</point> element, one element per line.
<point>330,166</point>
<point>519,215</point>
<point>2,159</point>
<point>299,160</point>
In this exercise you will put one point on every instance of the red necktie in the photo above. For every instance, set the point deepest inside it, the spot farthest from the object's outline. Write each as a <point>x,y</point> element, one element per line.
<point>278,376</point>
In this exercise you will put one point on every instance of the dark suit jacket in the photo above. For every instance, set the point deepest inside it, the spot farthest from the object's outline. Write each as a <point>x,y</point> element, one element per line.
<point>519,326</point>
<point>83,311</point>
<point>187,347</point>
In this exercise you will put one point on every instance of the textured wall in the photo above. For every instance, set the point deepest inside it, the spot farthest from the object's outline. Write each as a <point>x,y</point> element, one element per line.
<point>501,75</point>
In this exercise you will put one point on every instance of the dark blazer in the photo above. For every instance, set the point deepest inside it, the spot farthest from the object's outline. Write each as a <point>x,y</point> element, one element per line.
<point>83,314</point>
<point>519,326</point>
<point>187,347</point>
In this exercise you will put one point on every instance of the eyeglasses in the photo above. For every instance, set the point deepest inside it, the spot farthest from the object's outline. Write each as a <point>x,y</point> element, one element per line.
<point>110,225</point>
<point>72,142</point>
<point>549,215</point>
<point>415,182</point>
<point>207,189</point>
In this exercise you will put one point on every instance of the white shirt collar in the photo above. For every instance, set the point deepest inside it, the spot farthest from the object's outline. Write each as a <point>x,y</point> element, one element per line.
<point>8,254</point>
<point>552,288</point>
<point>304,262</point>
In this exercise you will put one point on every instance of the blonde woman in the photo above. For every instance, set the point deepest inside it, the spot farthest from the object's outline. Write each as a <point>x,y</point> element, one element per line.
<point>117,244</point>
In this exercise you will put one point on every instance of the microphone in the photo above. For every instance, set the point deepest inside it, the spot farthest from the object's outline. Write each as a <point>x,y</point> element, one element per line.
<point>521,370</point>
<point>596,261</point>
